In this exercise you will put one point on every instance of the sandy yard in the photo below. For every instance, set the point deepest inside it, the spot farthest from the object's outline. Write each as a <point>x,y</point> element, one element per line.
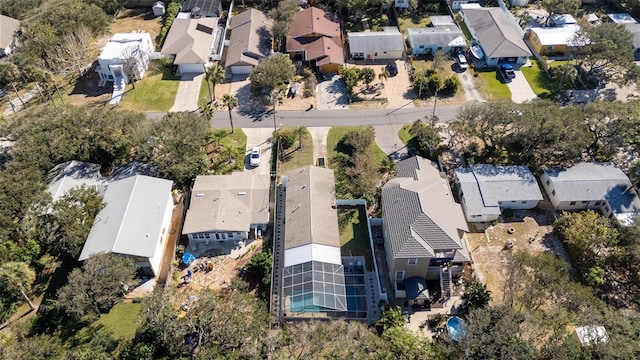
<point>224,269</point>
<point>137,20</point>
<point>532,233</point>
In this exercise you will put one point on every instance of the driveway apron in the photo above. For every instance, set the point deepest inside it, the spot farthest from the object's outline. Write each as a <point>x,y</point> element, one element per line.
<point>520,89</point>
<point>188,93</point>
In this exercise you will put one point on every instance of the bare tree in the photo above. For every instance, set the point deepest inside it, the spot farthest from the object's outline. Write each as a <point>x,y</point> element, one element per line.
<point>75,53</point>
<point>134,60</point>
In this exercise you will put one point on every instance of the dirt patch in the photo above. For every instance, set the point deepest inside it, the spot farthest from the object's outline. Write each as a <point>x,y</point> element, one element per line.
<point>137,20</point>
<point>86,92</point>
<point>529,231</point>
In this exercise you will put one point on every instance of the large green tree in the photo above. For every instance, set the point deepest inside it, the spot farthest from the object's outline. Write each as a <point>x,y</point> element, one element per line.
<point>273,72</point>
<point>18,277</point>
<point>93,289</point>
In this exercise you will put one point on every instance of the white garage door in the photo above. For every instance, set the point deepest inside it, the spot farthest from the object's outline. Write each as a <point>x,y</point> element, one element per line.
<point>190,68</point>
<point>241,70</point>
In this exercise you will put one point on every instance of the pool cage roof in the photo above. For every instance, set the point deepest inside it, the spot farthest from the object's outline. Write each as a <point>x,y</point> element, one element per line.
<point>314,286</point>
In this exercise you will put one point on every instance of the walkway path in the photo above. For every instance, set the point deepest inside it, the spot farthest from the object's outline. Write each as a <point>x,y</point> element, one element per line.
<point>471,93</point>
<point>188,93</point>
<point>319,136</point>
<point>388,140</point>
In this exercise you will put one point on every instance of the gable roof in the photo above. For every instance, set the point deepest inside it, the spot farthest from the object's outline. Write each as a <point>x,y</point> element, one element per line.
<point>190,40</point>
<point>314,21</point>
<point>484,186</point>
<point>420,213</point>
<point>496,33</point>
<point>442,36</point>
<point>227,202</point>
<point>131,221</point>
<point>8,27</point>
<point>556,35</point>
<point>372,41</point>
<point>439,20</point>
<point>69,175</point>
<point>323,49</point>
<point>208,8</point>
<point>594,182</point>
<point>250,38</point>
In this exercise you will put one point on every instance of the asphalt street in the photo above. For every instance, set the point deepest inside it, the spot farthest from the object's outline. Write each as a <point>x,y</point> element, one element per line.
<point>335,117</point>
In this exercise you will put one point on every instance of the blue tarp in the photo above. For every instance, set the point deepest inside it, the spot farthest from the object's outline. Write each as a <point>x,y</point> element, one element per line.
<point>187,258</point>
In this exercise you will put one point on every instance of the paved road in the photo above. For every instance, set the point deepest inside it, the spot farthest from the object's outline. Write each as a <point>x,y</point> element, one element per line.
<point>314,118</point>
<point>388,140</point>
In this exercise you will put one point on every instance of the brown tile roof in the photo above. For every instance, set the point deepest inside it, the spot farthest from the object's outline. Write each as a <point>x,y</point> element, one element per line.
<point>250,38</point>
<point>324,50</point>
<point>314,21</point>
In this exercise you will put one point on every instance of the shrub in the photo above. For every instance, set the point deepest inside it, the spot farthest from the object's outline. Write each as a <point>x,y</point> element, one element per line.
<point>451,85</point>
<point>286,137</point>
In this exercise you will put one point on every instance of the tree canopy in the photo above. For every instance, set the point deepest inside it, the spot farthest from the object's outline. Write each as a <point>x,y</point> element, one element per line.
<point>272,72</point>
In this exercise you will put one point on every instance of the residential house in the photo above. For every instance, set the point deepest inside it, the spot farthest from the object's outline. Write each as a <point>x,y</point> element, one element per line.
<point>202,8</point>
<point>135,222</point>
<point>555,36</point>
<point>250,41</point>
<point>315,40</point>
<point>376,45</point>
<point>226,209</point>
<point>313,279</point>
<point>124,58</point>
<point>486,190</point>
<point>70,175</point>
<point>423,228</point>
<point>8,29</point>
<point>497,35</point>
<point>443,34</point>
<point>596,186</point>
<point>631,25</point>
<point>190,42</point>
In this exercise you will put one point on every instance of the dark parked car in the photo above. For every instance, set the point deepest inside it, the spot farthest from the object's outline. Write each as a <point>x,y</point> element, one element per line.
<point>507,72</point>
<point>392,68</point>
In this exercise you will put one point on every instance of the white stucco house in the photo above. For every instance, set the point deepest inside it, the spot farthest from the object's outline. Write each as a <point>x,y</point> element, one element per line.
<point>135,222</point>
<point>376,45</point>
<point>125,55</point>
<point>486,190</point>
<point>8,29</point>
<point>226,209</point>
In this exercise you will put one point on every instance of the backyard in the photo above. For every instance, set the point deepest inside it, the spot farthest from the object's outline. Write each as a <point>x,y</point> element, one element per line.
<point>137,20</point>
<point>354,233</point>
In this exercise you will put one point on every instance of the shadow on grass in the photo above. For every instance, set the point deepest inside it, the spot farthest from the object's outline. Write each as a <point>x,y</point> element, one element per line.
<point>353,220</point>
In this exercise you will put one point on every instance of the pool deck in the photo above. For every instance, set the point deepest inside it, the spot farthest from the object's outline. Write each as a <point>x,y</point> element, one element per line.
<point>417,318</point>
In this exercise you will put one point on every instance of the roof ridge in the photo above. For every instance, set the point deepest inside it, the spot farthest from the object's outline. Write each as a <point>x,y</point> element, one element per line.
<point>126,209</point>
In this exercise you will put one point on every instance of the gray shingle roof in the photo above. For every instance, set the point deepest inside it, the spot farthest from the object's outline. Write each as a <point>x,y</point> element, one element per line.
<point>310,215</point>
<point>131,221</point>
<point>8,27</point>
<point>190,40</point>
<point>250,38</point>
<point>376,41</point>
<point>593,182</point>
<point>71,174</point>
<point>484,186</point>
<point>227,202</point>
<point>438,35</point>
<point>496,34</point>
<point>419,211</point>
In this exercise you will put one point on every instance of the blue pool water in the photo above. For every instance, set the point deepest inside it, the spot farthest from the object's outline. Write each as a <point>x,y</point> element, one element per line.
<point>456,328</point>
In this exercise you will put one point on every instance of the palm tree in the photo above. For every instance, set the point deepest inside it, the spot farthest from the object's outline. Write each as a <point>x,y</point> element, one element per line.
<point>207,111</point>
<point>231,102</point>
<point>300,132</point>
<point>9,73</point>
<point>18,276</point>
<point>384,75</point>
<point>564,76</point>
<point>368,75</point>
<point>218,135</point>
<point>215,76</point>
<point>230,152</point>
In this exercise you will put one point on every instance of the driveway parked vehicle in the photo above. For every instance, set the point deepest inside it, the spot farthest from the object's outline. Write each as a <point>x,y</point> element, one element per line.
<point>255,156</point>
<point>507,72</point>
<point>462,61</point>
<point>392,68</point>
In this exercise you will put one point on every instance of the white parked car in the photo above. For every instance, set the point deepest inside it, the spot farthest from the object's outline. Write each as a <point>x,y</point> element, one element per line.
<point>462,61</point>
<point>255,156</point>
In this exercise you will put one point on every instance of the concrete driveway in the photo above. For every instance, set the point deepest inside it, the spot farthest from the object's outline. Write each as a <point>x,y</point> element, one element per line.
<point>471,92</point>
<point>397,89</point>
<point>319,137</point>
<point>388,140</point>
<point>188,93</point>
<point>332,94</point>
<point>259,137</point>
<point>520,89</point>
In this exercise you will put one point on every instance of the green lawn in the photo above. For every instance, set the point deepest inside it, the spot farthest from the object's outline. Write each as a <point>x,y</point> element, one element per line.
<point>405,22</point>
<point>296,158</point>
<point>465,30</point>
<point>237,139</point>
<point>542,85</point>
<point>354,233</point>
<point>204,96</point>
<point>122,320</point>
<point>404,135</point>
<point>153,93</point>
<point>491,85</point>
<point>337,133</point>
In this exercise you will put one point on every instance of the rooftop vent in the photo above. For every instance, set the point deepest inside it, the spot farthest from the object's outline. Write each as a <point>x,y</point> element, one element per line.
<point>199,195</point>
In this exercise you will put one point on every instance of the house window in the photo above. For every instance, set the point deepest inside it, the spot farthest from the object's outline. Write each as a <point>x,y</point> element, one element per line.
<point>412,261</point>
<point>524,202</point>
<point>513,201</point>
<point>585,202</point>
<point>207,236</point>
<point>399,275</point>
<point>553,193</point>
<point>597,203</point>
<point>230,234</point>
<point>550,47</point>
<point>217,236</point>
<point>548,181</point>
<point>572,203</point>
<point>421,46</point>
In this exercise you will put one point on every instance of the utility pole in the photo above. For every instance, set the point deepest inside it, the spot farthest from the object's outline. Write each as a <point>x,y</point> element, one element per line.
<point>435,99</point>
<point>274,101</point>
